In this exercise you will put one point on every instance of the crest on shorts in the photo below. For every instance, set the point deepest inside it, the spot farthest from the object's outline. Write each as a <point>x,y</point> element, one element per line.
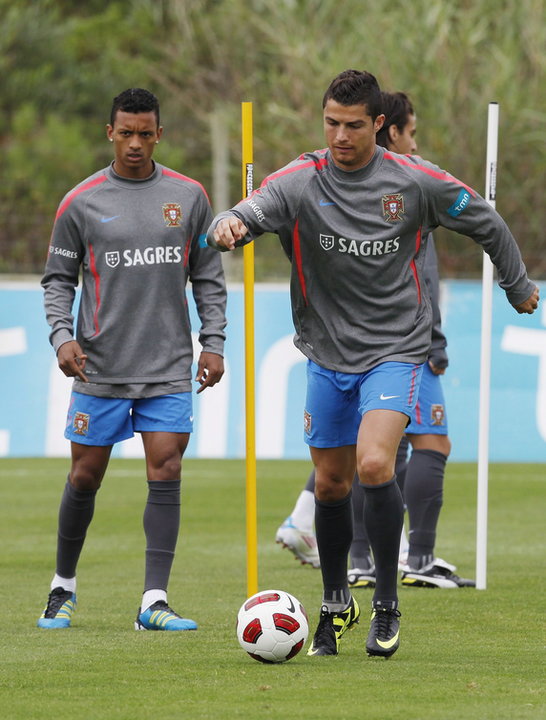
<point>172,214</point>
<point>80,424</point>
<point>393,206</point>
<point>307,422</point>
<point>437,414</point>
<point>112,258</point>
<point>326,242</point>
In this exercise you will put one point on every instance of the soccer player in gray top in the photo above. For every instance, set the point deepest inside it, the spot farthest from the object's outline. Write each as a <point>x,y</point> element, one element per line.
<point>137,232</point>
<point>359,217</point>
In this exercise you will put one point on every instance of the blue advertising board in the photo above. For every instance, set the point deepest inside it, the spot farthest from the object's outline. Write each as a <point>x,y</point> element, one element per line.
<point>35,392</point>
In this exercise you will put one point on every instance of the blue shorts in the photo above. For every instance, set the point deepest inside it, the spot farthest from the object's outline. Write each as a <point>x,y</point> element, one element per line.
<point>336,401</point>
<point>429,416</point>
<point>104,421</point>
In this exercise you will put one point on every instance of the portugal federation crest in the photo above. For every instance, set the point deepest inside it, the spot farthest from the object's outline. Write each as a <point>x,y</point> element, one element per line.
<point>172,214</point>
<point>80,424</point>
<point>393,207</point>
<point>437,414</point>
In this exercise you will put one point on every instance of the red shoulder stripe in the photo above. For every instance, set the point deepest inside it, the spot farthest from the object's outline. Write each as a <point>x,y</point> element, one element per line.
<point>319,164</point>
<point>179,176</point>
<point>77,191</point>
<point>429,171</point>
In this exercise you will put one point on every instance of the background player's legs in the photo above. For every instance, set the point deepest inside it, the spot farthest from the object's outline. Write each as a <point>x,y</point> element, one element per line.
<point>424,498</point>
<point>296,532</point>
<point>303,513</point>
<point>401,464</point>
<point>361,572</point>
<point>424,494</point>
<point>400,470</point>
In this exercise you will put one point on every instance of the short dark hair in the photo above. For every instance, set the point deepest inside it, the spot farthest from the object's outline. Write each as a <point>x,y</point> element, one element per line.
<point>397,108</point>
<point>135,100</point>
<point>355,87</point>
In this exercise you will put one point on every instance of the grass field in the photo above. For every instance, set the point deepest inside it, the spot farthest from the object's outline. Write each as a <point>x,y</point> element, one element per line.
<point>464,653</point>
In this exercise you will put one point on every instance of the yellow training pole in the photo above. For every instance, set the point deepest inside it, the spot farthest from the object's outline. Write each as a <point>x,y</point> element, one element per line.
<point>250,380</point>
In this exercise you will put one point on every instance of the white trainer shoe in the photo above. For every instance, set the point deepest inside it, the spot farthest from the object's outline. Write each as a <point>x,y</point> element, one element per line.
<point>303,544</point>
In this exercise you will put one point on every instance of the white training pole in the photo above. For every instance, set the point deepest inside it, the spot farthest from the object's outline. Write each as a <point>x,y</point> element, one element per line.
<point>485,357</point>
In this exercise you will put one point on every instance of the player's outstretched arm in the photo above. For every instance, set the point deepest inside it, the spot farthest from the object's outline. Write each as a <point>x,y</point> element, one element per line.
<point>530,305</point>
<point>210,368</point>
<point>228,231</point>
<point>71,360</point>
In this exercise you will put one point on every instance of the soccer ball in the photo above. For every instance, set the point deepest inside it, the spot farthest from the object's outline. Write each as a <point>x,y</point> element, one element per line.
<point>272,626</point>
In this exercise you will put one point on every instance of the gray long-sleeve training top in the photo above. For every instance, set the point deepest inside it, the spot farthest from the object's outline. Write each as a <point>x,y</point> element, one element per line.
<point>358,241</point>
<point>137,244</point>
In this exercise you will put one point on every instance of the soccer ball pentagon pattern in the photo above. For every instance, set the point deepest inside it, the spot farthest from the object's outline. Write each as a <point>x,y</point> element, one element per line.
<point>272,626</point>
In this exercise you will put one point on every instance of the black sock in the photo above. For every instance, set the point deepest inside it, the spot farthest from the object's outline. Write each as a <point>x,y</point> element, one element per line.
<point>161,524</point>
<point>334,529</point>
<point>401,464</point>
<point>75,515</point>
<point>384,517</point>
<point>424,497</point>
<point>360,547</point>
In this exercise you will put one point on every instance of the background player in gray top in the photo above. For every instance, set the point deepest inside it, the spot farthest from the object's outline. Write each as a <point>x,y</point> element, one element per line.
<point>136,231</point>
<point>359,216</point>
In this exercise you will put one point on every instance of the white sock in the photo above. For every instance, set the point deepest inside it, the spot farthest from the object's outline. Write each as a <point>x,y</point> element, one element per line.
<point>303,514</point>
<point>68,584</point>
<point>152,596</point>
<point>404,544</point>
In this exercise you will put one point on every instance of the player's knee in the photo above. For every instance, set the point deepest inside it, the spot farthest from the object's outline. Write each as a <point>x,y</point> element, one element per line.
<point>165,468</point>
<point>374,469</point>
<point>330,487</point>
<point>85,478</point>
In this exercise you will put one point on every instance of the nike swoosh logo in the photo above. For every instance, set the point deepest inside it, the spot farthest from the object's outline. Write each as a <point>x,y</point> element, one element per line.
<point>324,203</point>
<point>387,644</point>
<point>108,219</point>
<point>291,607</point>
<point>387,397</point>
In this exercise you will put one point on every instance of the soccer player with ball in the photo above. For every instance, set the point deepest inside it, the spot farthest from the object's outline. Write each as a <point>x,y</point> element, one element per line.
<point>358,217</point>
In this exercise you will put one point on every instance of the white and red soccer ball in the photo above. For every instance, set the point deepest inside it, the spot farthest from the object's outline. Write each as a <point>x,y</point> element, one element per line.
<point>272,626</point>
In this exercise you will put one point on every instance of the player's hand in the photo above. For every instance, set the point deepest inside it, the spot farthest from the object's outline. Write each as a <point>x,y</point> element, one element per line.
<point>530,305</point>
<point>228,231</point>
<point>435,369</point>
<point>71,359</point>
<point>210,368</point>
